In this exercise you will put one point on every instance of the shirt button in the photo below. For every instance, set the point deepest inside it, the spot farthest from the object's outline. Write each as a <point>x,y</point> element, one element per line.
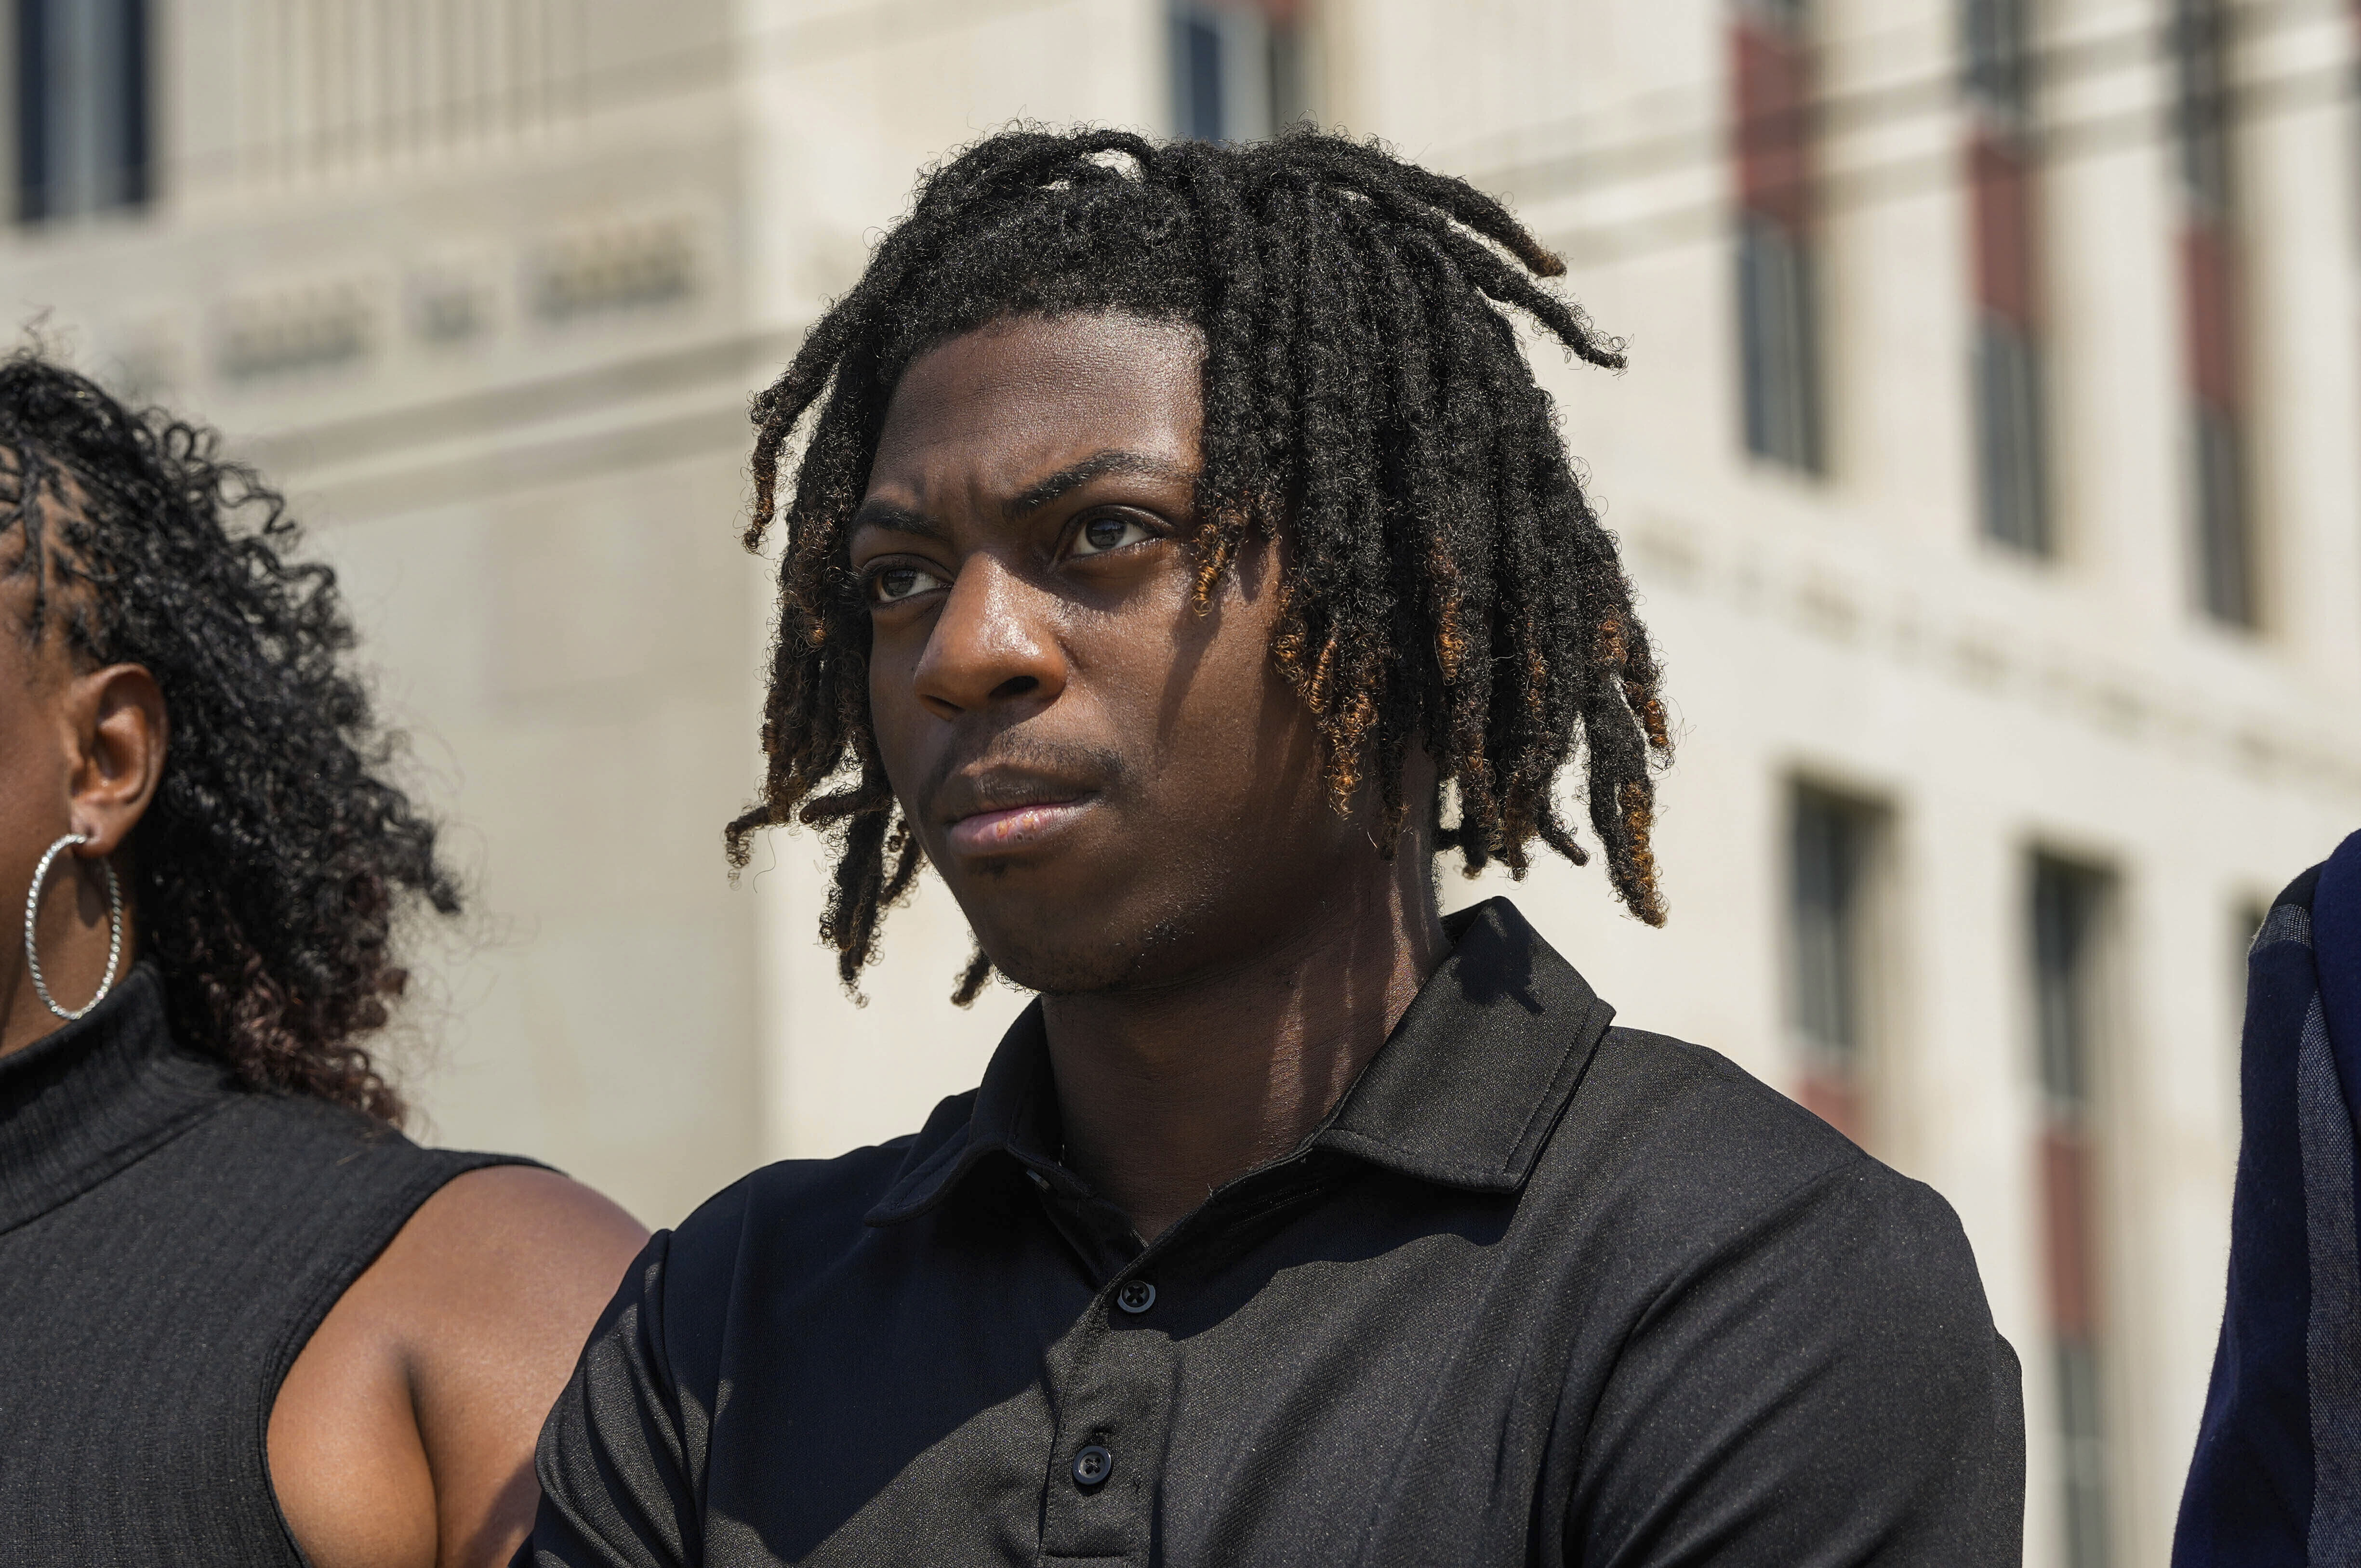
<point>1137,1296</point>
<point>1092,1466</point>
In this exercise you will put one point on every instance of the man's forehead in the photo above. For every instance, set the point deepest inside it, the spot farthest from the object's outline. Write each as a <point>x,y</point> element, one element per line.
<point>1031,353</point>
<point>1027,384</point>
<point>999,415</point>
<point>1016,477</point>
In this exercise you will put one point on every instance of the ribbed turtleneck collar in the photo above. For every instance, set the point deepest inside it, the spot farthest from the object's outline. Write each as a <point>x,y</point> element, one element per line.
<point>79,1104</point>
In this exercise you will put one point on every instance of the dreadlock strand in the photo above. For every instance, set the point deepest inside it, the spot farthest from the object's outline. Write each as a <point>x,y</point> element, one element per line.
<point>1421,201</point>
<point>849,922</point>
<point>972,979</point>
<point>1279,415</point>
<point>1362,624</point>
<point>1228,492</point>
<point>1417,197</point>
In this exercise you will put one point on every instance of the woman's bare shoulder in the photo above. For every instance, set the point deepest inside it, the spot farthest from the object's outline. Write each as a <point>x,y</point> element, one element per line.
<point>516,1224</point>
<point>441,1361</point>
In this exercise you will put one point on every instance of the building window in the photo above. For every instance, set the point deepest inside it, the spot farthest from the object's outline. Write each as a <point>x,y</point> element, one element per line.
<point>1998,44</point>
<point>1779,343</point>
<point>2009,437</point>
<point>2201,117</point>
<point>2221,503</point>
<point>81,106</point>
<point>1239,71</point>
<point>2068,919</point>
<point>1778,322</point>
<point>2011,470</point>
<point>1833,848</point>
<point>2223,568</point>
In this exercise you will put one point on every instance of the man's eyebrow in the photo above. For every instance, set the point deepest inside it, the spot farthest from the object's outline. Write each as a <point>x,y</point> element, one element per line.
<point>895,519</point>
<point>1097,466</point>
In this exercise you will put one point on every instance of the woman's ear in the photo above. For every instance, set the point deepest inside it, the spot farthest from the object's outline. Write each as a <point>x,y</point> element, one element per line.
<point>118,738</point>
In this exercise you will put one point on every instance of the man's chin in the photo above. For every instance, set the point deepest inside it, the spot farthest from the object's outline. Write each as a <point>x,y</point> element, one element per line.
<point>1060,971</point>
<point>1062,962</point>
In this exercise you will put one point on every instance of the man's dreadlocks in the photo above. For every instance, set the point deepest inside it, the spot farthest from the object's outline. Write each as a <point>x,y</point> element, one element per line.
<point>1446,585</point>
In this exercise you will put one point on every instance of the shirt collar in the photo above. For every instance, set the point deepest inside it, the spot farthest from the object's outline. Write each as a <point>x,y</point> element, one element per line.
<point>82,1102</point>
<point>1464,1092</point>
<point>1011,1114</point>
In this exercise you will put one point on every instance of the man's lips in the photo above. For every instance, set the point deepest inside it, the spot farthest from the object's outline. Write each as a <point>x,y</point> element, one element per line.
<point>1011,828</point>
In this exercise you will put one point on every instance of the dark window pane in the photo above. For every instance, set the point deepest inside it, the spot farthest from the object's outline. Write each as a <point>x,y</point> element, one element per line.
<point>2065,899</point>
<point>1830,853</point>
<point>1238,71</point>
<point>1197,76</point>
<point>81,106</point>
<point>1290,91</point>
<point>2201,82</point>
<point>1832,841</point>
<point>2224,563</point>
<point>1777,345</point>
<point>2009,437</point>
<point>1786,16</point>
<point>2082,1456</point>
<point>1999,63</point>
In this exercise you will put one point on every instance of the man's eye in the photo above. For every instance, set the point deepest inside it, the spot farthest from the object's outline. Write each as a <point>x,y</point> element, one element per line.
<point>895,583</point>
<point>1102,534</point>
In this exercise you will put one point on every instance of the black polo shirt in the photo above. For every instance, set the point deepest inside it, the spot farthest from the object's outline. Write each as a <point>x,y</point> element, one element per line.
<point>1538,1290</point>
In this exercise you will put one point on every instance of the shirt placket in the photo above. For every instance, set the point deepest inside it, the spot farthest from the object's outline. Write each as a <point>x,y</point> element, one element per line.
<point>1110,1386</point>
<point>1109,1381</point>
<point>1111,1378</point>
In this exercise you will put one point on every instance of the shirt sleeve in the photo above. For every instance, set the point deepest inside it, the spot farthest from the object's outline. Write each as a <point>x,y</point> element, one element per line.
<point>615,1465</point>
<point>1825,1388</point>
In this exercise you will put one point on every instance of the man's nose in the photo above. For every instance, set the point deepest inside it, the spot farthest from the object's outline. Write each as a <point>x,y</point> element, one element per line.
<point>994,640</point>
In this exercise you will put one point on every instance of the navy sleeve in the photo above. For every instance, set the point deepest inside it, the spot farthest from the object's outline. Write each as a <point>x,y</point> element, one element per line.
<point>1825,1387</point>
<point>2250,1494</point>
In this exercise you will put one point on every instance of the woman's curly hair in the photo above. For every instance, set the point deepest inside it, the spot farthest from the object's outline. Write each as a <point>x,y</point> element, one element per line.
<point>275,862</point>
<point>1363,390</point>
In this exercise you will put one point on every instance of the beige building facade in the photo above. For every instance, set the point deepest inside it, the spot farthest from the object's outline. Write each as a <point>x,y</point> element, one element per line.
<point>2001,710</point>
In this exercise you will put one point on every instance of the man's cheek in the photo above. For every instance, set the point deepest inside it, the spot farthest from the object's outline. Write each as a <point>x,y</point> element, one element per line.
<point>898,752</point>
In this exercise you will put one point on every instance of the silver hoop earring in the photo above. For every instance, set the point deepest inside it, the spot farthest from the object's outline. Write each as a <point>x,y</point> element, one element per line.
<point>114,929</point>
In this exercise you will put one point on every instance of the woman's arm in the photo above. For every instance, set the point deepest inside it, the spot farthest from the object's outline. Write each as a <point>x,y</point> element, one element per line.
<point>404,1436</point>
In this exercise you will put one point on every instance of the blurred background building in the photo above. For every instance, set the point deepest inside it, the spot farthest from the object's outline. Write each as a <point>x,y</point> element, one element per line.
<point>1986,462</point>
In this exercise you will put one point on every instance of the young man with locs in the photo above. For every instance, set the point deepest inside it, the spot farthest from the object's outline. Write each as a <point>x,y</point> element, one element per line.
<point>1181,559</point>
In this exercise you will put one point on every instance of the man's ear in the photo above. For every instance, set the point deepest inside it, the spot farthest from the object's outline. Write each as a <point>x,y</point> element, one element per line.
<point>117,738</point>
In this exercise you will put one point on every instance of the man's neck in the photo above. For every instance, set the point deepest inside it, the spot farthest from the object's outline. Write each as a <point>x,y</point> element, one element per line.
<point>1169,1092</point>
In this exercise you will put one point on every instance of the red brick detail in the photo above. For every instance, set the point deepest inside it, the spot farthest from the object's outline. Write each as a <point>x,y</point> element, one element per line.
<point>2209,292</point>
<point>1772,76</point>
<point>2007,270</point>
<point>2066,1227</point>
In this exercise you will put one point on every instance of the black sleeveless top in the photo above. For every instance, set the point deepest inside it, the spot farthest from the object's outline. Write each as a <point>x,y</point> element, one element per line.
<point>168,1241</point>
